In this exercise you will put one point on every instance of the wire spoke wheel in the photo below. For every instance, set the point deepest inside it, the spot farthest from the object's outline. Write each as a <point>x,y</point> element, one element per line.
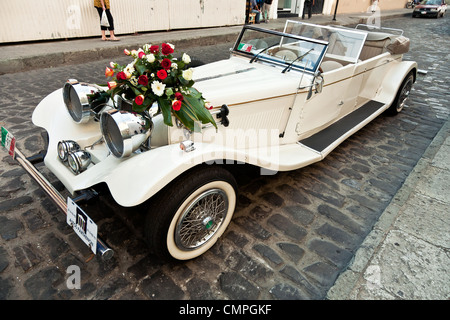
<point>191,213</point>
<point>404,93</point>
<point>201,219</point>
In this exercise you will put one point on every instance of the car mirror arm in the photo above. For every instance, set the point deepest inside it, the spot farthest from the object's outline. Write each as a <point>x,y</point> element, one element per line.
<point>317,83</point>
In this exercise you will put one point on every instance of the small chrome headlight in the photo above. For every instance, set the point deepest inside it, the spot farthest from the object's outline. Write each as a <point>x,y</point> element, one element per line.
<point>124,132</point>
<point>79,161</point>
<point>65,147</point>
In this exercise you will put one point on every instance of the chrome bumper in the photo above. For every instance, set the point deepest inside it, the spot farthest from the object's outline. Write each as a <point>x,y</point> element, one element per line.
<point>102,249</point>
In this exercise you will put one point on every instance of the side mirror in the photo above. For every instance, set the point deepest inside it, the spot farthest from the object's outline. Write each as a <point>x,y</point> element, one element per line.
<point>317,84</point>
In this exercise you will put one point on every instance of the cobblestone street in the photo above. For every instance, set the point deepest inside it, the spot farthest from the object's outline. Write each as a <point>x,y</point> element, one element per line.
<point>292,233</point>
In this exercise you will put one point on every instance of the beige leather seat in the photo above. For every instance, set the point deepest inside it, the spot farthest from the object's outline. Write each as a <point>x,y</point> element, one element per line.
<point>330,65</point>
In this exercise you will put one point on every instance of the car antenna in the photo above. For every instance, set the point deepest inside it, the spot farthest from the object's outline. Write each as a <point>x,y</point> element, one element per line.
<point>298,58</point>
<point>267,48</point>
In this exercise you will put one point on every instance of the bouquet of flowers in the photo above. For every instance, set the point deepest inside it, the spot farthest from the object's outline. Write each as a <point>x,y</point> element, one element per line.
<point>156,76</point>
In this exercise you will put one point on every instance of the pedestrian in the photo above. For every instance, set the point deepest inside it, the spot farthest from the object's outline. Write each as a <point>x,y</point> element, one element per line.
<point>308,6</point>
<point>255,9</point>
<point>266,10</point>
<point>103,5</point>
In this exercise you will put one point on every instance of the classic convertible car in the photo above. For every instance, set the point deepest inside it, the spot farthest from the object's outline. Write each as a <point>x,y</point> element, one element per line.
<point>282,101</point>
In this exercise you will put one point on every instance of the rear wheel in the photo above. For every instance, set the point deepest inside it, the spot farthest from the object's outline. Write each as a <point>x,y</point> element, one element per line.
<point>191,213</point>
<point>402,95</point>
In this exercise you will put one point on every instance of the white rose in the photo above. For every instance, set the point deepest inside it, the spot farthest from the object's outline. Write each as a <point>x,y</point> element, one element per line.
<point>150,57</point>
<point>158,88</point>
<point>187,74</point>
<point>186,59</point>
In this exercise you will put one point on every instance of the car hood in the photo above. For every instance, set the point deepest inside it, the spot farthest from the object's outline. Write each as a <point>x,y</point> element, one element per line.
<point>236,81</point>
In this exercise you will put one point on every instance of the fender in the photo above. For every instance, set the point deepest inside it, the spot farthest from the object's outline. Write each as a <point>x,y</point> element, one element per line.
<point>393,80</point>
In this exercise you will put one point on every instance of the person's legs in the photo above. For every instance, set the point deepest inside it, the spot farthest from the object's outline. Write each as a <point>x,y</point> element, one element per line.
<point>103,29</point>
<point>257,17</point>
<point>111,25</point>
<point>266,11</point>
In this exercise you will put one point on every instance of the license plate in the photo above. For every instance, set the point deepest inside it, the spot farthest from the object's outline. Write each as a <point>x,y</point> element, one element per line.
<point>8,141</point>
<point>423,12</point>
<point>83,226</point>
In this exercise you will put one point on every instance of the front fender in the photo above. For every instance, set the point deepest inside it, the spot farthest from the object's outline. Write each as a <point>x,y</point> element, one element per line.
<point>393,80</point>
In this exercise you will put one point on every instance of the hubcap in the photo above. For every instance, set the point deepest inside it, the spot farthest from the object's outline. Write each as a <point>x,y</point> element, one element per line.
<point>201,219</point>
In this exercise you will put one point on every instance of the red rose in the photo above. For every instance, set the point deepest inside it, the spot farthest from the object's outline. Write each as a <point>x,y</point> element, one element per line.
<point>139,99</point>
<point>179,96</point>
<point>176,105</point>
<point>121,76</point>
<point>166,49</point>
<point>162,74</point>
<point>141,54</point>
<point>143,80</point>
<point>166,63</point>
<point>154,49</point>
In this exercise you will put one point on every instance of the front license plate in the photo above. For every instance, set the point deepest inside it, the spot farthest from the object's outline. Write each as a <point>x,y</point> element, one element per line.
<point>83,226</point>
<point>423,12</point>
<point>8,141</point>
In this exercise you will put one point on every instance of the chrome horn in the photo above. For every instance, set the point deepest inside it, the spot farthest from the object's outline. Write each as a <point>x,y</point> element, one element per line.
<point>124,132</point>
<point>80,100</point>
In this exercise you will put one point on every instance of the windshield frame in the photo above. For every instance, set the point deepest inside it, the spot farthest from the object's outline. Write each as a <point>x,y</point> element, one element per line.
<point>278,61</point>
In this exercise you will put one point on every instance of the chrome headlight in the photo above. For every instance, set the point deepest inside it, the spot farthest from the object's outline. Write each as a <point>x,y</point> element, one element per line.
<point>79,161</point>
<point>124,132</point>
<point>65,147</point>
<point>80,102</point>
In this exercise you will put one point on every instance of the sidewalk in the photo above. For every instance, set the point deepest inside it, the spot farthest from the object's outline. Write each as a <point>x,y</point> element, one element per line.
<point>405,256</point>
<point>34,55</point>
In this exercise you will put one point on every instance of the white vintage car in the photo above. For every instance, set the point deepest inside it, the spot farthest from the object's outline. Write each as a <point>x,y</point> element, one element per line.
<point>284,100</point>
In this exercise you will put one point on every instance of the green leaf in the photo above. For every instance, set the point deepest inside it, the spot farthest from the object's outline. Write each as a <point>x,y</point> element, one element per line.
<point>135,90</point>
<point>166,108</point>
<point>140,67</point>
<point>198,106</point>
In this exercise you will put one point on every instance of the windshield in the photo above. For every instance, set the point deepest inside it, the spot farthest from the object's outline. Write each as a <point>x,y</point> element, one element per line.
<point>291,52</point>
<point>344,44</point>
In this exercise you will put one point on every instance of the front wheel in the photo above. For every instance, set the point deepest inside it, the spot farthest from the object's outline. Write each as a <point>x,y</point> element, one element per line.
<point>402,95</point>
<point>191,213</point>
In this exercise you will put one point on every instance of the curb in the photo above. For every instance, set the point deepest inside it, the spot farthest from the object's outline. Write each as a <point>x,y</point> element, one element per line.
<point>353,277</point>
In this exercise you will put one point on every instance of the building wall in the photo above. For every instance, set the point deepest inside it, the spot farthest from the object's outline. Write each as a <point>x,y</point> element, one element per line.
<point>355,6</point>
<point>29,20</point>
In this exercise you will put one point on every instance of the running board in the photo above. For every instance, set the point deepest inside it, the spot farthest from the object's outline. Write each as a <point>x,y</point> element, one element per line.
<point>332,136</point>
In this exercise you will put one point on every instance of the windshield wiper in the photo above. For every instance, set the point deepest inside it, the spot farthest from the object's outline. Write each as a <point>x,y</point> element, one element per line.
<point>296,59</point>
<point>265,49</point>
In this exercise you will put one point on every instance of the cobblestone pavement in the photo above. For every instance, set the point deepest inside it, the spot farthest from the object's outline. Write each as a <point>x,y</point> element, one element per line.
<point>292,233</point>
